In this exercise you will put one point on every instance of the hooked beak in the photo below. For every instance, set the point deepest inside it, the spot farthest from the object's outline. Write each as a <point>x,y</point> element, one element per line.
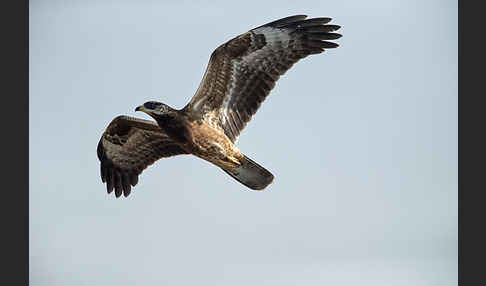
<point>144,109</point>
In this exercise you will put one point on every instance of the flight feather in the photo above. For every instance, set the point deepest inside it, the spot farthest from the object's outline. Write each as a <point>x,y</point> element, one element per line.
<point>242,72</point>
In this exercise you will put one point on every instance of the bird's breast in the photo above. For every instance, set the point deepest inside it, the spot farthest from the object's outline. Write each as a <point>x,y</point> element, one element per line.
<point>212,144</point>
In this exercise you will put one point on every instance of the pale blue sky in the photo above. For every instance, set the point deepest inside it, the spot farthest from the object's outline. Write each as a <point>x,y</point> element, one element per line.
<point>362,141</point>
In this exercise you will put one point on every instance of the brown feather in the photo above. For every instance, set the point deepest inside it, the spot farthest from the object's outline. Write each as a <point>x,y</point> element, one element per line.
<point>127,147</point>
<point>242,72</point>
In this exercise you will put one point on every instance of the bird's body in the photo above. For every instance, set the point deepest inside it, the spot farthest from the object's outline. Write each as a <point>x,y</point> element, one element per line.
<point>239,76</point>
<point>210,144</point>
<point>201,138</point>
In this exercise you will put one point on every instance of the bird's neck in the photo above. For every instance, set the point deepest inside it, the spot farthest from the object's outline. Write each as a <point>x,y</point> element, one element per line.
<point>173,125</point>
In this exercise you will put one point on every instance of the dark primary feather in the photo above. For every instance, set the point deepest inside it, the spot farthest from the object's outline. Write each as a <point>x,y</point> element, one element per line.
<point>242,72</point>
<point>127,147</point>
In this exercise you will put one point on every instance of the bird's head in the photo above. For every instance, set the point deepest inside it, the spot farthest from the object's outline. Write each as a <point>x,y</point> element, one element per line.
<point>154,109</point>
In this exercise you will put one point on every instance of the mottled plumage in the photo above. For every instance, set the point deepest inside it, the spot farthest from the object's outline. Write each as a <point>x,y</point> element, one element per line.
<point>240,75</point>
<point>127,147</point>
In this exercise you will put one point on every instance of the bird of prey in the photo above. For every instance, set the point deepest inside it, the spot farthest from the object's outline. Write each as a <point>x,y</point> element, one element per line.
<point>238,78</point>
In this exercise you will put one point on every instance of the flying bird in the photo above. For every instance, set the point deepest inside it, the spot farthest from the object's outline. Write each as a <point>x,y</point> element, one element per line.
<point>240,75</point>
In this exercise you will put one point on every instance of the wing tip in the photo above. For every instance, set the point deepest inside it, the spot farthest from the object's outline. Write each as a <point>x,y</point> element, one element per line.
<point>313,32</point>
<point>117,180</point>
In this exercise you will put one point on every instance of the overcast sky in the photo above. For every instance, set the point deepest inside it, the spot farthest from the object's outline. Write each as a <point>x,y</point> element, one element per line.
<point>362,141</point>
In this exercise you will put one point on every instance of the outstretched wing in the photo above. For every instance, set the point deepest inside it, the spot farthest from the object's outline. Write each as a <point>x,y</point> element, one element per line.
<point>241,72</point>
<point>127,147</point>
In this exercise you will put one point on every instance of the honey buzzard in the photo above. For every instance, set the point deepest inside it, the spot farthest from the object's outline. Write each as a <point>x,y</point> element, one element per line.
<point>240,75</point>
